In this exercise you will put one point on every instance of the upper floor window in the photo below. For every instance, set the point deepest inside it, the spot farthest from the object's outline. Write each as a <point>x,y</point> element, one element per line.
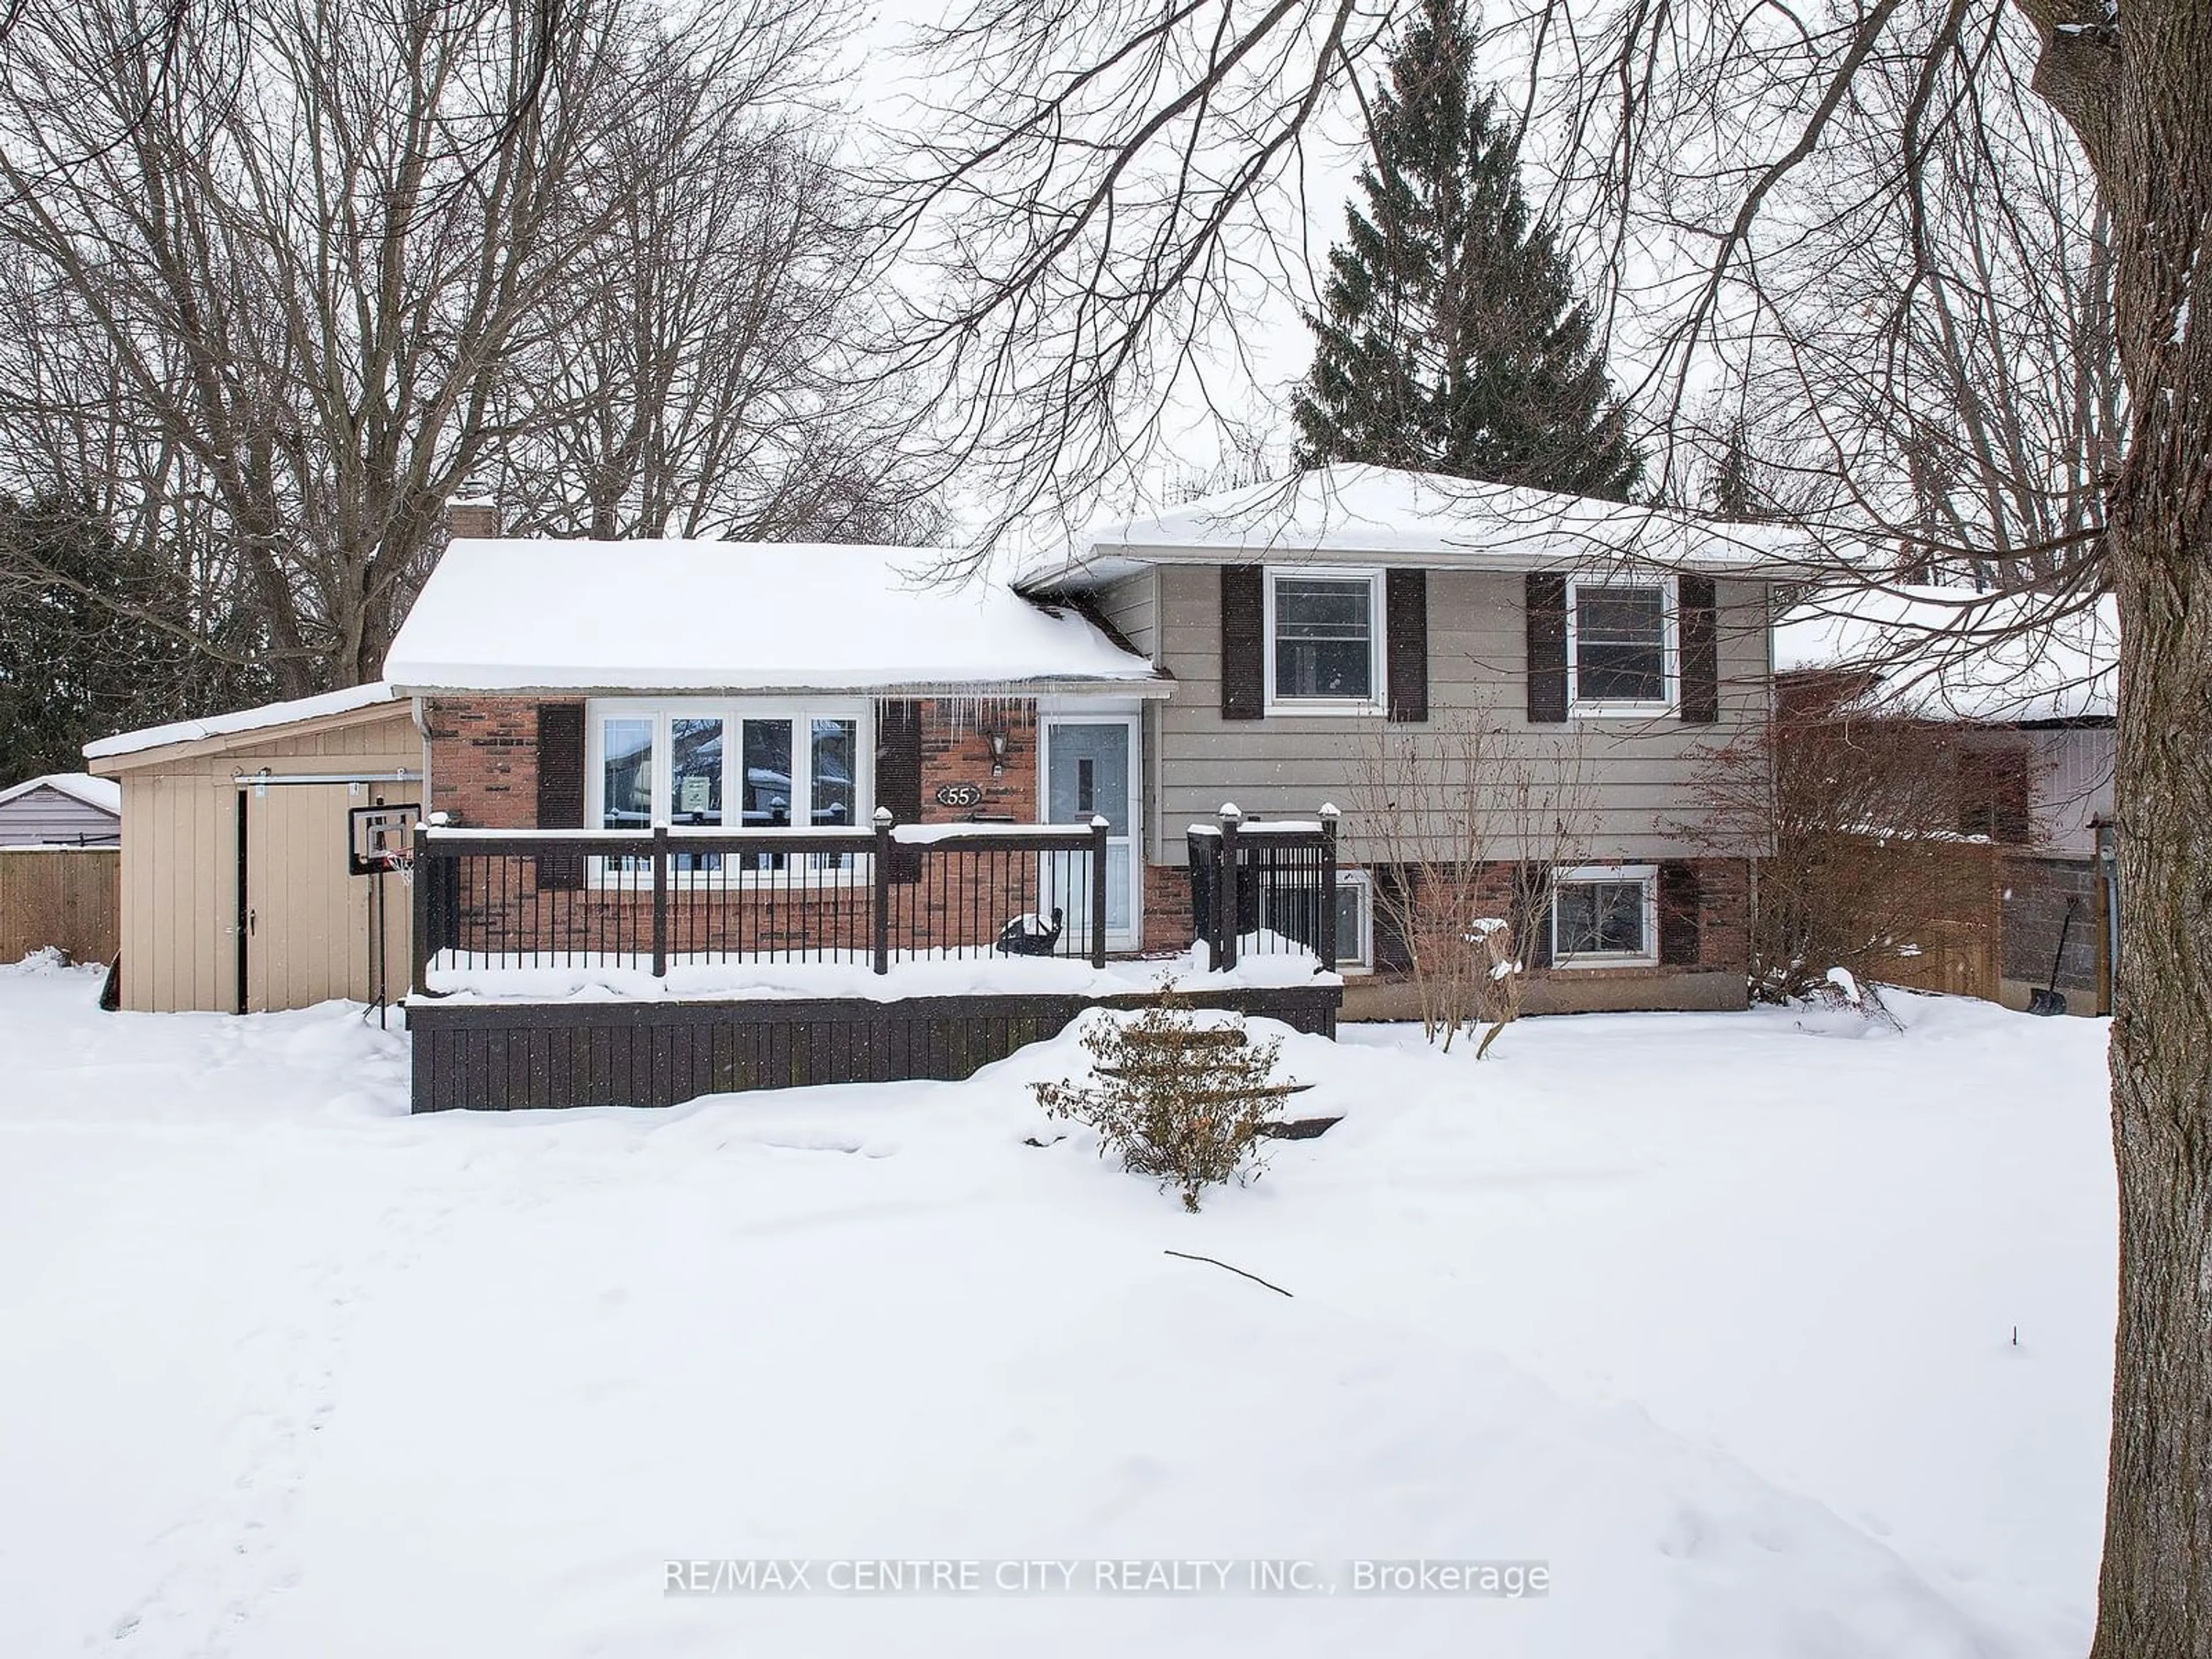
<point>1621,650</point>
<point>1325,640</point>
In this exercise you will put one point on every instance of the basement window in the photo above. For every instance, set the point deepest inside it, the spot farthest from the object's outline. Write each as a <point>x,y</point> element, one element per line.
<point>1606,916</point>
<point>1291,905</point>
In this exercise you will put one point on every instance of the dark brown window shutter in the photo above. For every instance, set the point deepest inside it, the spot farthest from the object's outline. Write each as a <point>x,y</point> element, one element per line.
<point>1700,635</point>
<point>1532,916</point>
<point>1394,894</point>
<point>1406,637</point>
<point>561,789</point>
<point>1547,602</point>
<point>1243,651</point>
<point>898,776</point>
<point>1678,914</point>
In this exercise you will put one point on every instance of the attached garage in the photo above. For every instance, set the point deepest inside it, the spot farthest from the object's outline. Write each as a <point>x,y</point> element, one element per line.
<point>236,892</point>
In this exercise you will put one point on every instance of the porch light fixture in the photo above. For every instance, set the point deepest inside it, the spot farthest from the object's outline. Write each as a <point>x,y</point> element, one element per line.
<point>996,741</point>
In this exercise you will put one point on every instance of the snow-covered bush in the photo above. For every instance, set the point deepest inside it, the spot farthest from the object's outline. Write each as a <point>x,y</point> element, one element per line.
<point>1840,991</point>
<point>1183,1101</point>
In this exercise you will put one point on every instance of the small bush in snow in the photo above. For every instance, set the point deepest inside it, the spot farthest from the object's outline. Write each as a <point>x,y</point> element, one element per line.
<point>1183,1102</point>
<point>1842,990</point>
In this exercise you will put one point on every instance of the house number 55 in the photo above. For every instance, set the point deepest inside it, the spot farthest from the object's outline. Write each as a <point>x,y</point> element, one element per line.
<point>960,794</point>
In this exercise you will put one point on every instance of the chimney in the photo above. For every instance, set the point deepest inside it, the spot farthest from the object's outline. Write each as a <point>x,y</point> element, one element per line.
<point>472,516</point>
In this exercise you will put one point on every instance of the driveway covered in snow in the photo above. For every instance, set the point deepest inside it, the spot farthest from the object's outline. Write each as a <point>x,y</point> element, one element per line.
<point>1769,1336</point>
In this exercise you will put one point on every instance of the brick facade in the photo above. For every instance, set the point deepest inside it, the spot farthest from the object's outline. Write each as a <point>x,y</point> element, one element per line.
<point>483,761</point>
<point>955,750</point>
<point>483,774</point>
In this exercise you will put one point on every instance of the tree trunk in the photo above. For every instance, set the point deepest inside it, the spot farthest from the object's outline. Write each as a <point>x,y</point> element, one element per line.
<point>2155,1596</point>
<point>2139,93</point>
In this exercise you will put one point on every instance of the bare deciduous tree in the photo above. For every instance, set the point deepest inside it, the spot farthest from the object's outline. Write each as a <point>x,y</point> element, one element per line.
<point>1110,185</point>
<point>279,279</point>
<point>1881,832</point>
<point>705,373</point>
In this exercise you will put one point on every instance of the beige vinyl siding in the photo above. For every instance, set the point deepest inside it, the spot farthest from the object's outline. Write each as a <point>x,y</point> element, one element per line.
<point>180,871</point>
<point>1133,605</point>
<point>1640,772</point>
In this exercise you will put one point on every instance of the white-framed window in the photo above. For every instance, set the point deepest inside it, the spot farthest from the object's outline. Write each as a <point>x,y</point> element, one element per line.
<point>1606,915</point>
<point>1290,904</point>
<point>1355,922</point>
<point>1324,636</point>
<point>692,763</point>
<point>1623,657</point>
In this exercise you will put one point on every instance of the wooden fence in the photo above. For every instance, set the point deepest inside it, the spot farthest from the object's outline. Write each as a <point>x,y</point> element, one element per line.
<point>1956,947</point>
<point>70,898</point>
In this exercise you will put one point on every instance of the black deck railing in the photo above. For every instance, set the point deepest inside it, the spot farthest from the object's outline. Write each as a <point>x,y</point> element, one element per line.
<point>1264,888</point>
<point>496,898</point>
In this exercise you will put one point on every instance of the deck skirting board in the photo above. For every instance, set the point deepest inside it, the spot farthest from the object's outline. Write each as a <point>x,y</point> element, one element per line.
<point>505,1056</point>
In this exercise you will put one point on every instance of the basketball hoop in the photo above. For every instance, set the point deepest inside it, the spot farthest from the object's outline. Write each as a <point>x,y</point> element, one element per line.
<point>381,842</point>
<point>381,839</point>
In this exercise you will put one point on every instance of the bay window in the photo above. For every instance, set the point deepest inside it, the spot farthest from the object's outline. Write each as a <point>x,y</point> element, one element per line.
<point>695,765</point>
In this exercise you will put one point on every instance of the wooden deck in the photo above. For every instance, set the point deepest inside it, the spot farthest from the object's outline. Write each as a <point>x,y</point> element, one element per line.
<point>507,1056</point>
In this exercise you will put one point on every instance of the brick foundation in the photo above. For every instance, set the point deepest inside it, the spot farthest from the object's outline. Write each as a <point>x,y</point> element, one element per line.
<point>1723,932</point>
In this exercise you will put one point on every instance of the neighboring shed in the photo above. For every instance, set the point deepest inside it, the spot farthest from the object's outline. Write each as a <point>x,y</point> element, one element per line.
<point>235,891</point>
<point>65,809</point>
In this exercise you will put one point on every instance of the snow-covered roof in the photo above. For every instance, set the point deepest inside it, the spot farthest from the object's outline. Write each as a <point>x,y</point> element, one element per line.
<point>1354,511</point>
<point>668,616</point>
<point>1950,654</point>
<point>246,719</point>
<point>103,794</point>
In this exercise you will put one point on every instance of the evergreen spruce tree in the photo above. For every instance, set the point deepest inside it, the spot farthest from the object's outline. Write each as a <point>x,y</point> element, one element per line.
<point>1450,340</point>
<point>96,640</point>
<point>1734,492</point>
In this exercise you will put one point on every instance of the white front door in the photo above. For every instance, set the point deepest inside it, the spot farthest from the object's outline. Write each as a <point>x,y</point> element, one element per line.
<point>1090,767</point>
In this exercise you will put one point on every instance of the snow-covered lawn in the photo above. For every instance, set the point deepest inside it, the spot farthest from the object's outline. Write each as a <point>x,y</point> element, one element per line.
<point>1714,1314</point>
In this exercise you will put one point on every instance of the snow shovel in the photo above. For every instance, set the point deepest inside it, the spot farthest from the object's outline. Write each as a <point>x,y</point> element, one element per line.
<point>2050,999</point>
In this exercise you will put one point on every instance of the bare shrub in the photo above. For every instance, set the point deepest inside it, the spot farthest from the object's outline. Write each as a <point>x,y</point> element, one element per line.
<point>1465,821</point>
<point>1881,833</point>
<point>1182,1102</point>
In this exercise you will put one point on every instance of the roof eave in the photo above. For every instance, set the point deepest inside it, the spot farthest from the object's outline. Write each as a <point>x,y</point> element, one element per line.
<point>1156,685</point>
<point>1109,562</point>
<point>107,766</point>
